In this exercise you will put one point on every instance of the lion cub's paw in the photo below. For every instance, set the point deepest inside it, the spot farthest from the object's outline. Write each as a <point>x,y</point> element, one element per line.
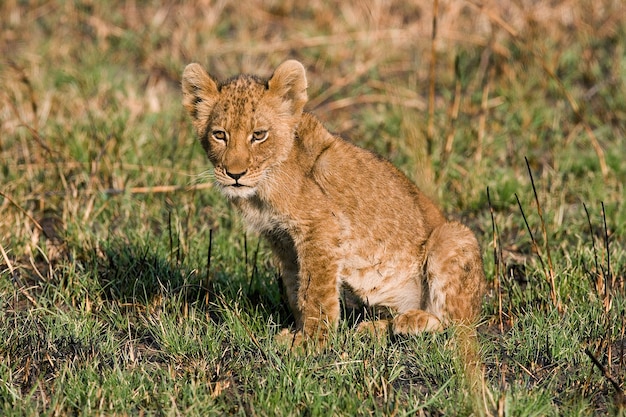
<point>377,329</point>
<point>289,339</point>
<point>300,343</point>
<point>416,321</point>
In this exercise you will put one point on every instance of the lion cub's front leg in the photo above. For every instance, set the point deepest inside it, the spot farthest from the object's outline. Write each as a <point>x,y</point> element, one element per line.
<point>309,275</point>
<point>318,292</point>
<point>318,301</point>
<point>286,258</point>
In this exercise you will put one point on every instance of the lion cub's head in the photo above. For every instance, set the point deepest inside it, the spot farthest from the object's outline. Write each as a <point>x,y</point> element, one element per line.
<point>246,124</point>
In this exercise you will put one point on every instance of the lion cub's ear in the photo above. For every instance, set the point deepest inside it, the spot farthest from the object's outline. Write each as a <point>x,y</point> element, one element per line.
<point>199,95</point>
<point>289,83</point>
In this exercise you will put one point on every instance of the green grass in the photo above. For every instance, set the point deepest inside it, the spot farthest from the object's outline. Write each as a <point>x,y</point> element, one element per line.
<point>119,296</point>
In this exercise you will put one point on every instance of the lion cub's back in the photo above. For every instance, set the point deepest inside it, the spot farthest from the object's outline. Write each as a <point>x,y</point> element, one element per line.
<point>368,190</point>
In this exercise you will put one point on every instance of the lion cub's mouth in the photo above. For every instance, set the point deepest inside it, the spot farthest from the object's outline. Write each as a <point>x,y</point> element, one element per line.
<point>238,184</point>
<point>238,190</point>
<point>242,185</point>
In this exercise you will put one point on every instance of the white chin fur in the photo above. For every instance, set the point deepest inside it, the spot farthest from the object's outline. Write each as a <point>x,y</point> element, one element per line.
<point>238,192</point>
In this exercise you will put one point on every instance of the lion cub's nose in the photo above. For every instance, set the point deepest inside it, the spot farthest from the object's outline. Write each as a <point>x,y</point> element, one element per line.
<point>236,176</point>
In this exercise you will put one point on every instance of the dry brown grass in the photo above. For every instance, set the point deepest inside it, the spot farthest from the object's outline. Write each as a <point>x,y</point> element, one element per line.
<point>358,54</point>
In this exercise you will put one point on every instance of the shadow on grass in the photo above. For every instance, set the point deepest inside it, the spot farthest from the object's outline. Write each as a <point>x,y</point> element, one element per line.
<point>133,274</point>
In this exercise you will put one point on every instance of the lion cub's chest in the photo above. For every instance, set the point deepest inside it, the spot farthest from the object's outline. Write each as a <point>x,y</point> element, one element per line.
<point>262,217</point>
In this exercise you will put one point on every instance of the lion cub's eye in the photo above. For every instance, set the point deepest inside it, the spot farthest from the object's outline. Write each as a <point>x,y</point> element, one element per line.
<point>219,135</point>
<point>259,136</point>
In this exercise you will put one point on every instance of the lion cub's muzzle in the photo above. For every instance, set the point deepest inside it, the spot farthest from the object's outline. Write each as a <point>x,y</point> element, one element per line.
<point>236,177</point>
<point>236,184</point>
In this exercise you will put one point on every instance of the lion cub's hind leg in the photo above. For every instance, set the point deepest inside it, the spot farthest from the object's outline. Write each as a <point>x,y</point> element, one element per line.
<point>409,322</point>
<point>454,274</point>
<point>454,281</point>
<point>416,321</point>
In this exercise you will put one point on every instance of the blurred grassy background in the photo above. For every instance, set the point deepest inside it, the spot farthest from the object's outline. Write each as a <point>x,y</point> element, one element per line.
<point>105,217</point>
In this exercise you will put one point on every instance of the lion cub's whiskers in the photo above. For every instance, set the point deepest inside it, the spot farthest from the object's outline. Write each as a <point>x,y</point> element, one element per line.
<point>206,176</point>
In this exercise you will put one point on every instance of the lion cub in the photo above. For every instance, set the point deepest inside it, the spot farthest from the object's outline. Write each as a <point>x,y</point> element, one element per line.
<point>334,214</point>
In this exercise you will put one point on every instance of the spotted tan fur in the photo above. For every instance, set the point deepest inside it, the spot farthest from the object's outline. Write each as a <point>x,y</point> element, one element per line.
<point>334,214</point>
